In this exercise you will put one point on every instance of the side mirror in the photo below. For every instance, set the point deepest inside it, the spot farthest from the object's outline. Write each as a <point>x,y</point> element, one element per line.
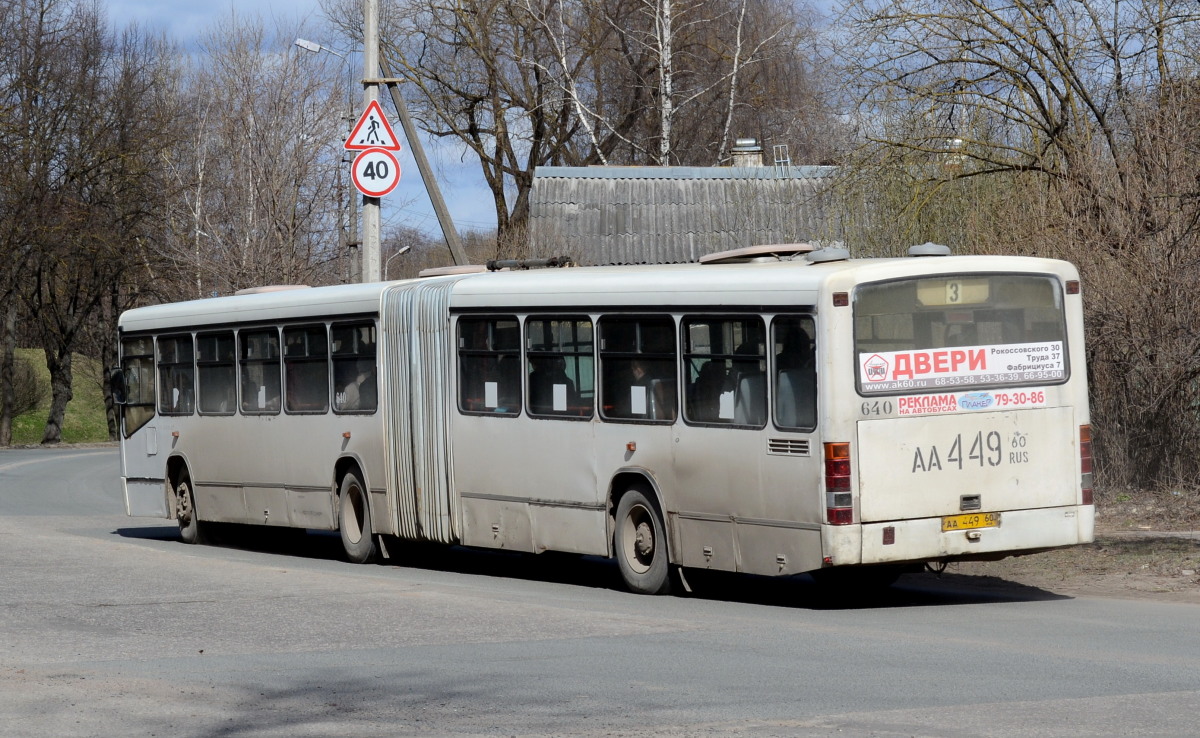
<point>116,384</point>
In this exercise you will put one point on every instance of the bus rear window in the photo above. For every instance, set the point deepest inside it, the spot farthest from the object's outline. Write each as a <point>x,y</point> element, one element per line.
<point>959,331</point>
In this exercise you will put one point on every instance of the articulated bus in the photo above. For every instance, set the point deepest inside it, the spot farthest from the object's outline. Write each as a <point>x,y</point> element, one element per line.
<point>773,410</point>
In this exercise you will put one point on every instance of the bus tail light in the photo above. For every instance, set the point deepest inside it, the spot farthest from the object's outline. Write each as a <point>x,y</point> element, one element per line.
<point>839,500</point>
<point>1085,462</point>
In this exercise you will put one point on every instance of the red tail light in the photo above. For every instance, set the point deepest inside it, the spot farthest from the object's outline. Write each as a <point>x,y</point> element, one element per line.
<point>839,500</point>
<point>1085,462</point>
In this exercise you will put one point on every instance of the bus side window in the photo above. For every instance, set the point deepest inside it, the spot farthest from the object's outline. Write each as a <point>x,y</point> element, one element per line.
<point>489,365</point>
<point>306,366</point>
<point>795,372</point>
<point>259,356</point>
<point>724,370</point>
<point>176,374</point>
<point>355,378</point>
<point>137,364</point>
<point>637,368</point>
<point>216,374</point>
<point>561,372</point>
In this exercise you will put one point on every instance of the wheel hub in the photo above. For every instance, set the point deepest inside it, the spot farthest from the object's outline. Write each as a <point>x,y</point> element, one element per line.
<point>183,507</point>
<point>643,539</point>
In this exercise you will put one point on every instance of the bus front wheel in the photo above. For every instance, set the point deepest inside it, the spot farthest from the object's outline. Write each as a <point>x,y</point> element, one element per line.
<point>185,511</point>
<point>641,543</point>
<point>354,520</point>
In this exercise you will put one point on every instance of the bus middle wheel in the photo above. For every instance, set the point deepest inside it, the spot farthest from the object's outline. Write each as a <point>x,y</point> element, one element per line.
<point>641,543</point>
<point>354,520</point>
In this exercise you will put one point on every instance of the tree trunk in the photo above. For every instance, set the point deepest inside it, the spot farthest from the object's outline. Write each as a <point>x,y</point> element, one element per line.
<point>7,359</point>
<point>109,360</point>
<point>58,361</point>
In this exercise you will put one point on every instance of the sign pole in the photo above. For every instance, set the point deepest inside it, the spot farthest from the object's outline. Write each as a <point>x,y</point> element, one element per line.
<point>372,217</point>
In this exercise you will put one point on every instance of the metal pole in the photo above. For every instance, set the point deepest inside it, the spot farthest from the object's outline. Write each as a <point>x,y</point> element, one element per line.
<point>372,218</point>
<point>449,232</point>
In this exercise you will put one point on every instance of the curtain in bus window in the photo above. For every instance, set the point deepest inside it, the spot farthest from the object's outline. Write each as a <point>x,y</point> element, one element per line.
<point>137,363</point>
<point>489,365</point>
<point>560,371</point>
<point>723,370</point>
<point>637,368</point>
<point>795,372</point>
<point>306,369</point>
<point>355,388</point>
<point>259,351</point>
<point>216,374</point>
<point>176,375</point>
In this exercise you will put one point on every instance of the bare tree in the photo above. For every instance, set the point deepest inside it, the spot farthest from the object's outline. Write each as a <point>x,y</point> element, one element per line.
<point>259,178</point>
<point>527,83</point>
<point>79,169</point>
<point>1059,129</point>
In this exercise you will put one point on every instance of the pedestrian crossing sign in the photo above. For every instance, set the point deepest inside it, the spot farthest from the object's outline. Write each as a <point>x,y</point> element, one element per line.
<point>372,131</point>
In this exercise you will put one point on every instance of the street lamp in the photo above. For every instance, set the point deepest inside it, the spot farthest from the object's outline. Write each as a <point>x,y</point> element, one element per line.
<point>387,264</point>
<point>316,48</point>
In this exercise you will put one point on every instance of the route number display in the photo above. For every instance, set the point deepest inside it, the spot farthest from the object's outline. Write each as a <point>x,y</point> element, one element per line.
<point>376,172</point>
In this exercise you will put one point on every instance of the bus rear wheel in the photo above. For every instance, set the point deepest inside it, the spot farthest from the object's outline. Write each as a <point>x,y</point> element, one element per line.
<point>354,520</point>
<point>190,530</point>
<point>641,543</point>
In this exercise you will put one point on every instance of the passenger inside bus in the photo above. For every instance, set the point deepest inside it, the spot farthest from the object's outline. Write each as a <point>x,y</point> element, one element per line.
<point>360,393</point>
<point>796,381</point>
<point>650,391</point>
<point>550,389</point>
<point>710,384</point>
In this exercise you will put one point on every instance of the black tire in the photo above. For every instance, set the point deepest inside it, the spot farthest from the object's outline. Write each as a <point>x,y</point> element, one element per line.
<point>354,520</point>
<point>191,530</point>
<point>640,543</point>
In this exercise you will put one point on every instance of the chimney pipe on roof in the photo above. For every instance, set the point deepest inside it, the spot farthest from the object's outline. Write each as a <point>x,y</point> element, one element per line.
<point>746,152</point>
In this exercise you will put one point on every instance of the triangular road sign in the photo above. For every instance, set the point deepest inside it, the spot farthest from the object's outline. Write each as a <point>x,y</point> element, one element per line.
<point>372,131</point>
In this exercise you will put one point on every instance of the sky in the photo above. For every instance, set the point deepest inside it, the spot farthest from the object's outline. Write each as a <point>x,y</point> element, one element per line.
<point>467,197</point>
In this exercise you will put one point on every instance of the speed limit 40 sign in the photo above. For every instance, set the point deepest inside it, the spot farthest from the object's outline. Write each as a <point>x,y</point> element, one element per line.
<point>376,172</point>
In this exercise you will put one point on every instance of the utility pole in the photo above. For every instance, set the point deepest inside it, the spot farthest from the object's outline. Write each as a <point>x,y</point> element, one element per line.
<point>449,232</point>
<point>372,217</point>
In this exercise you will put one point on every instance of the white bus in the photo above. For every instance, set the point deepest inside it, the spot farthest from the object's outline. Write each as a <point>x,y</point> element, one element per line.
<point>775,410</point>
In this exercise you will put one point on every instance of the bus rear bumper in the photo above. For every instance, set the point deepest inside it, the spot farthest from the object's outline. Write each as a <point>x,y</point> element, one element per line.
<point>1019,531</point>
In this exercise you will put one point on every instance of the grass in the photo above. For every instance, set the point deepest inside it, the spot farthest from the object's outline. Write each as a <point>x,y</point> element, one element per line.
<point>84,421</point>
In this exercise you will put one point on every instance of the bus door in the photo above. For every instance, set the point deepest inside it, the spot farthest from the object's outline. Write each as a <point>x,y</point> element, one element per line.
<point>143,454</point>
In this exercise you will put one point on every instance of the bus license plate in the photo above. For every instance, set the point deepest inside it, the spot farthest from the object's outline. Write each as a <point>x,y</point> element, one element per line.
<point>971,520</point>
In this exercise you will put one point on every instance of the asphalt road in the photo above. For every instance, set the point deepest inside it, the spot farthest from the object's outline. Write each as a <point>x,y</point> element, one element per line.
<point>110,626</point>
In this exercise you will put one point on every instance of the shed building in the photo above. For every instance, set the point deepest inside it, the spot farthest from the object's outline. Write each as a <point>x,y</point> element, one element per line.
<point>647,215</point>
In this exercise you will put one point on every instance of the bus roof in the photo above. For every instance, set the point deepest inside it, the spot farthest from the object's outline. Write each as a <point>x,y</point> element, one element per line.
<point>792,283</point>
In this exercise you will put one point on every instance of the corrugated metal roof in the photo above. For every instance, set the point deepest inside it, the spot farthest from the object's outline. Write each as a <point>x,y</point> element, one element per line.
<point>631,215</point>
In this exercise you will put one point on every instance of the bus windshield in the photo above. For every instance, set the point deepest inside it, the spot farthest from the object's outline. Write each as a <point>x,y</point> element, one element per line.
<point>966,331</point>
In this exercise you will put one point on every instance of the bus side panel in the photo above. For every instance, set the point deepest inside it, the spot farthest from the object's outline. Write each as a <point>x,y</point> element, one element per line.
<point>145,498</point>
<point>492,523</point>
<point>526,484</point>
<point>775,550</point>
<point>703,543</point>
<point>746,500</point>
<point>569,529</point>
